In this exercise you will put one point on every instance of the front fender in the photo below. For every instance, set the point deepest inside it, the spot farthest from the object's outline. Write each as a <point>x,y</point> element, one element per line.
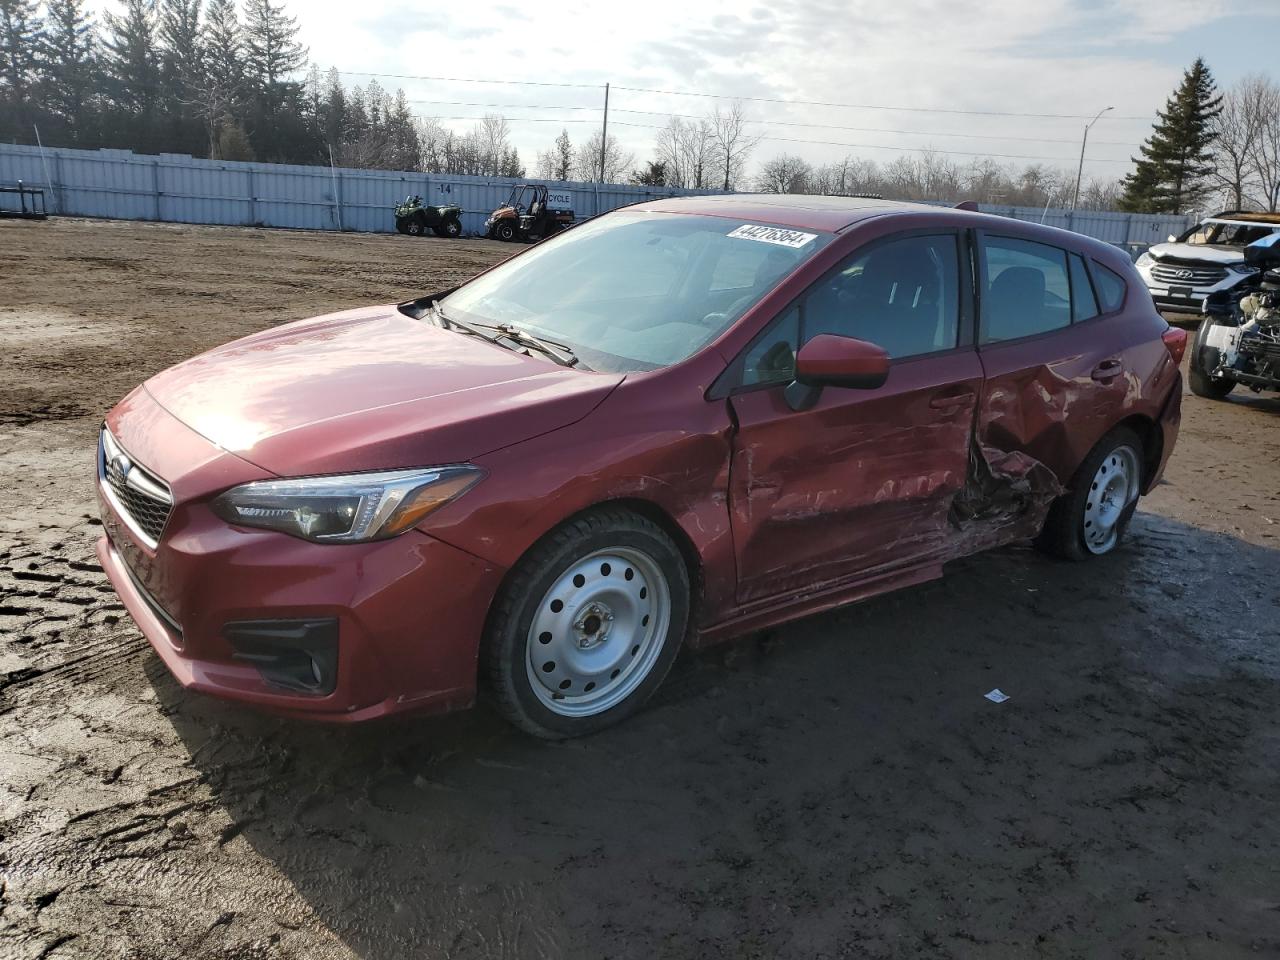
<point>656,457</point>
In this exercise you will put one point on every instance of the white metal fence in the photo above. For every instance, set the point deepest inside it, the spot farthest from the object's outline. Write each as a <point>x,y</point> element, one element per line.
<point>120,184</point>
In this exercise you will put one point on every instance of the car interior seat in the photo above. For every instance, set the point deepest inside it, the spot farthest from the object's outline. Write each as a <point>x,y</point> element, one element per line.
<point>1015,303</point>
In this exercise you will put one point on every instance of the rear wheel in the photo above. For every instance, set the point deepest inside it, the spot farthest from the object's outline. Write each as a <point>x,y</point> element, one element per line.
<point>451,228</point>
<point>1204,360</point>
<point>1092,517</point>
<point>588,624</point>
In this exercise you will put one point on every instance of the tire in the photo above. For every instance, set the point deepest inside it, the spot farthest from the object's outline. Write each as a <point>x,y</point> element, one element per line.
<point>400,227</point>
<point>587,625</point>
<point>1092,517</point>
<point>504,230</point>
<point>1202,360</point>
<point>416,227</point>
<point>451,228</point>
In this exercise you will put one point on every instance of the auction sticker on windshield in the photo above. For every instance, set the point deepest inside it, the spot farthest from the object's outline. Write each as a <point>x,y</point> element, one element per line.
<point>778,235</point>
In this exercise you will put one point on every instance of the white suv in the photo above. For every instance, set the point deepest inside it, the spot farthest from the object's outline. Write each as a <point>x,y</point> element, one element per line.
<point>1206,263</point>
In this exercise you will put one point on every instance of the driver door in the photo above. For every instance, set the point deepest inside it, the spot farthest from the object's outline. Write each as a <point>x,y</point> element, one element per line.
<point>863,480</point>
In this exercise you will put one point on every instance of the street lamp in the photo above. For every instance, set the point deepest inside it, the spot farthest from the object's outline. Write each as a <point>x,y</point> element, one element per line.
<point>1083,141</point>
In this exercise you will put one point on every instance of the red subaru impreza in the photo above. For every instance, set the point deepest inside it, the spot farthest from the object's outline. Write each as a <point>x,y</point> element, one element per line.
<point>676,423</point>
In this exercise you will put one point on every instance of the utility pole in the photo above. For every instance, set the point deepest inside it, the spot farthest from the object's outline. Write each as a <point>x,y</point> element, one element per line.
<point>1080,170</point>
<point>604,132</point>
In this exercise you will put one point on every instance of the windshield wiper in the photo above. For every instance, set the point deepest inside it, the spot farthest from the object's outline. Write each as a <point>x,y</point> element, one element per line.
<point>559,352</point>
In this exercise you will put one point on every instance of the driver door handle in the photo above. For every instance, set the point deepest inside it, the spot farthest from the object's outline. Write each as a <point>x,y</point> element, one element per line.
<point>1107,369</point>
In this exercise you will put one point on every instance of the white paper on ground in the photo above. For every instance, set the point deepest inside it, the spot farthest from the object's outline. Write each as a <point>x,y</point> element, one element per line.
<point>996,696</point>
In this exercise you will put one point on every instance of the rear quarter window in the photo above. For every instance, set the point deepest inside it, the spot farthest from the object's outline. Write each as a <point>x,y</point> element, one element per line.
<point>1111,287</point>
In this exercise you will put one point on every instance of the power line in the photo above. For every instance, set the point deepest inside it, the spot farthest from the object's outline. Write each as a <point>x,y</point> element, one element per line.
<point>919,133</point>
<point>871,106</point>
<point>877,146</point>
<point>517,83</point>
<point>778,123</point>
<point>721,96</point>
<point>826,143</point>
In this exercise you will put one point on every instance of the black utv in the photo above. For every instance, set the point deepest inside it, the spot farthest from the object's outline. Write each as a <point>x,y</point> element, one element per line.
<point>416,218</point>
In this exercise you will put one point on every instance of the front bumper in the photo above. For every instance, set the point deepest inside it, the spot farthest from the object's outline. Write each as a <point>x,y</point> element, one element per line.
<point>398,620</point>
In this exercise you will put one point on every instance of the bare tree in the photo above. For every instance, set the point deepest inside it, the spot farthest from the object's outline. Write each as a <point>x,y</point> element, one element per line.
<point>494,134</point>
<point>732,143</point>
<point>616,165</point>
<point>1239,127</point>
<point>686,148</point>
<point>1265,156</point>
<point>785,174</point>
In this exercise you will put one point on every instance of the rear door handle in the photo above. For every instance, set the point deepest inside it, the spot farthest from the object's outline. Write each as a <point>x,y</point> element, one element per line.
<point>948,401</point>
<point>1107,369</point>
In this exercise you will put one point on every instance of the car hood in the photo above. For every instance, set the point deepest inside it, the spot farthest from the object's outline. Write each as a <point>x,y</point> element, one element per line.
<point>371,389</point>
<point>1203,252</point>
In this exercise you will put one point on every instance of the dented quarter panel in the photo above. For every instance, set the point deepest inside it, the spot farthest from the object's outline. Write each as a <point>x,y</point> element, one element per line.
<point>1041,399</point>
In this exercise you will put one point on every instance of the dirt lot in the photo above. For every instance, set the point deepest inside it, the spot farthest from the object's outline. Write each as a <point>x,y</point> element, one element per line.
<point>838,788</point>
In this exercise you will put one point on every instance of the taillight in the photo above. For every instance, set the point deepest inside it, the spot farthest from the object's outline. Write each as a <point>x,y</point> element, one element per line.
<point>1175,339</point>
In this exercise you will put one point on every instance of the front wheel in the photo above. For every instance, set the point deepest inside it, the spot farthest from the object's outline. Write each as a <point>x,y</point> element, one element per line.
<point>416,227</point>
<point>505,230</point>
<point>1091,518</point>
<point>588,624</point>
<point>1203,360</point>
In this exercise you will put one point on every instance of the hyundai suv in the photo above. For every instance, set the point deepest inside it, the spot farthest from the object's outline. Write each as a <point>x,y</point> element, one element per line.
<point>1204,267</point>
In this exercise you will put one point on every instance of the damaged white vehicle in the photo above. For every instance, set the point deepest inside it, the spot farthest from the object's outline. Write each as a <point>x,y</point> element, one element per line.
<point>1241,343</point>
<point>1204,269</point>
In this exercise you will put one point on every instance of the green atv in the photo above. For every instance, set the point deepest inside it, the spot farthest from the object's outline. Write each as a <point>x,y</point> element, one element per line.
<point>415,218</point>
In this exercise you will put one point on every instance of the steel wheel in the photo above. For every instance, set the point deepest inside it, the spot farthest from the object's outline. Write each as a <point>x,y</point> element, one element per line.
<point>1113,489</point>
<point>597,632</point>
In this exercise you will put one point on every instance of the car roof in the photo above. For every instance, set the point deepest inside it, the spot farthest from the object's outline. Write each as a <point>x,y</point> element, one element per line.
<point>835,214</point>
<point>1245,216</point>
<point>801,211</point>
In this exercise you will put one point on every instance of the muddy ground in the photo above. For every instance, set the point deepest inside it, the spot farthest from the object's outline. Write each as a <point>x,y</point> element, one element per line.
<point>838,788</point>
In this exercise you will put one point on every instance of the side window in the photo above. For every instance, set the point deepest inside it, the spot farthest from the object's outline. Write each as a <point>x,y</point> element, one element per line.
<point>772,358</point>
<point>1111,287</point>
<point>1083,303</point>
<point>903,295</point>
<point>1026,291</point>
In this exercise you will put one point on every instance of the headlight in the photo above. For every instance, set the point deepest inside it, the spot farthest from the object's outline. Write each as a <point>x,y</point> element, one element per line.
<point>1144,260</point>
<point>345,509</point>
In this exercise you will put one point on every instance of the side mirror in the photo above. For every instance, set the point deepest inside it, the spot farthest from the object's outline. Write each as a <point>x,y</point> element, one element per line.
<point>1173,238</point>
<point>832,361</point>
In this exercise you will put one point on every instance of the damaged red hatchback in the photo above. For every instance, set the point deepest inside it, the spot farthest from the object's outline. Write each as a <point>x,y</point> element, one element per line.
<point>677,422</point>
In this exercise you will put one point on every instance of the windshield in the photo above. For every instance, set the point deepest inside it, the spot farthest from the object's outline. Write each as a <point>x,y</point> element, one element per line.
<point>635,290</point>
<point>1220,234</point>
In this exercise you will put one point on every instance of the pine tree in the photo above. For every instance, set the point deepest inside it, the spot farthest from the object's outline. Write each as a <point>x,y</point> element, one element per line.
<point>272,52</point>
<point>131,64</point>
<point>223,86</point>
<point>563,155</point>
<point>70,55</point>
<point>181,46</point>
<point>20,40</point>
<point>1172,176</point>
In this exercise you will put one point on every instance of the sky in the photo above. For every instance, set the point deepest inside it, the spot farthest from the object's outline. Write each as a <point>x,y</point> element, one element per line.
<point>898,66</point>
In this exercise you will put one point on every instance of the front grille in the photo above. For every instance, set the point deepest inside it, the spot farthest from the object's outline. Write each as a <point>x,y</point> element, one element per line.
<point>1188,274</point>
<point>143,499</point>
